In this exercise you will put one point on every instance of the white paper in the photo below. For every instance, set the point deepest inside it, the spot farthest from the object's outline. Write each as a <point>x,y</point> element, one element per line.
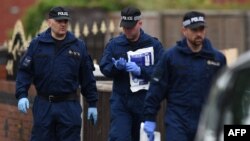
<point>142,57</point>
<point>144,137</point>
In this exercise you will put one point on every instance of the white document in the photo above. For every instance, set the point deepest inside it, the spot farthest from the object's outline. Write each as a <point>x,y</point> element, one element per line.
<point>142,57</point>
<point>144,137</point>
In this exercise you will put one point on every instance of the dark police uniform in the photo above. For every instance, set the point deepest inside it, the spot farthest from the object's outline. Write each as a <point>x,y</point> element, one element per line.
<point>126,106</point>
<point>183,78</point>
<point>57,71</point>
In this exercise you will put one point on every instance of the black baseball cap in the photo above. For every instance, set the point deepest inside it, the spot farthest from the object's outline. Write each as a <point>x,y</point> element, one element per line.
<point>194,19</point>
<point>129,17</point>
<point>59,13</point>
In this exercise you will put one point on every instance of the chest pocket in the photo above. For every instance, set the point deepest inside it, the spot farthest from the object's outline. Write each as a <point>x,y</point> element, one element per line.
<point>180,71</point>
<point>41,63</point>
<point>69,62</point>
<point>180,76</point>
<point>211,71</point>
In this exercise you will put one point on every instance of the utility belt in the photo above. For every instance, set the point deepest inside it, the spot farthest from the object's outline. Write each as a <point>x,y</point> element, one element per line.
<point>59,98</point>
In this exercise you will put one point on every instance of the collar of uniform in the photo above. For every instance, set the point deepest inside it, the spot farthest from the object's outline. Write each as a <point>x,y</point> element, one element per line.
<point>46,37</point>
<point>206,51</point>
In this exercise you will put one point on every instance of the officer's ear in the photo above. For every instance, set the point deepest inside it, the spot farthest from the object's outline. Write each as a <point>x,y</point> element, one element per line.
<point>184,31</point>
<point>140,22</point>
<point>49,22</point>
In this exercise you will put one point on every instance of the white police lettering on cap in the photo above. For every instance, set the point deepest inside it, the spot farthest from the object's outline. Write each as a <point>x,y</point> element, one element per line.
<point>62,13</point>
<point>193,20</point>
<point>131,18</point>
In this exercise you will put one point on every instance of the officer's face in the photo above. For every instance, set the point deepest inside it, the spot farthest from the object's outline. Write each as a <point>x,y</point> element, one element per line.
<point>58,28</point>
<point>195,36</point>
<point>133,33</point>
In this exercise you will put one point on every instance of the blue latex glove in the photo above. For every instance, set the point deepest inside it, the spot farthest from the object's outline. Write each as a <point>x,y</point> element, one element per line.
<point>120,64</point>
<point>92,114</point>
<point>23,105</point>
<point>149,128</point>
<point>133,68</point>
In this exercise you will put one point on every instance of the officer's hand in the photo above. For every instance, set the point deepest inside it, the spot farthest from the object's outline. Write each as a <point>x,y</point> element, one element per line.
<point>149,128</point>
<point>92,114</point>
<point>23,105</point>
<point>120,64</point>
<point>133,68</point>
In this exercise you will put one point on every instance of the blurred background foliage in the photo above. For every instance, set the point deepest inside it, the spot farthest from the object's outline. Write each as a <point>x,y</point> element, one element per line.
<point>37,13</point>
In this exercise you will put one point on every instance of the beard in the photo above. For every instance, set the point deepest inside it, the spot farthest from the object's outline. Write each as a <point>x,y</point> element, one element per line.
<point>197,42</point>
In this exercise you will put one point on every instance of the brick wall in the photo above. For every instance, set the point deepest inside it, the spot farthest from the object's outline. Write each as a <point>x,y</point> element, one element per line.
<point>2,72</point>
<point>14,125</point>
<point>11,11</point>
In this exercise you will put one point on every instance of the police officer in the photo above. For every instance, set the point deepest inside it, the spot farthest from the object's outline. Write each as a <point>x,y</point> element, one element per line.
<point>183,77</point>
<point>129,72</point>
<point>57,63</point>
